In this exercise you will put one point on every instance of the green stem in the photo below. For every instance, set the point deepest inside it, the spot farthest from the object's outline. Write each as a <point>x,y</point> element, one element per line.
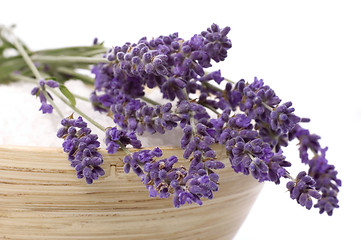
<point>211,108</point>
<point>96,124</point>
<point>124,148</point>
<point>77,110</point>
<point>95,52</point>
<point>86,79</point>
<point>48,98</point>
<point>72,51</point>
<point>23,78</point>
<point>24,54</point>
<point>211,86</point>
<point>290,177</point>
<point>267,106</point>
<point>81,97</point>
<point>225,79</point>
<point>228,80</point>
<point>68,59</point>
<point>151,101</point>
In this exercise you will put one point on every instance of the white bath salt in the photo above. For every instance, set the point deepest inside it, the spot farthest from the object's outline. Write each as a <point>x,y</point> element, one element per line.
<point>21,122</point>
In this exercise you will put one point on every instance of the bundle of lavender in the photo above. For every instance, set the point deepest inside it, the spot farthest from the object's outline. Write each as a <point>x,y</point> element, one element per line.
<point>248,118</point>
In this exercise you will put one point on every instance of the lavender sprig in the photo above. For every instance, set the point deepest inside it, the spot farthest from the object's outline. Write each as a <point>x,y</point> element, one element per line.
<point>248,153</point>
<point>323,173</point>
<point>43,94</point>
<point>82,148</point>
<point>197,140</point>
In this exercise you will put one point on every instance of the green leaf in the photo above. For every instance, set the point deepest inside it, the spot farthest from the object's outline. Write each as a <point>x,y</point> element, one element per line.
<point>8,66</point>
<point>51,78</point>
<point>65,91</point>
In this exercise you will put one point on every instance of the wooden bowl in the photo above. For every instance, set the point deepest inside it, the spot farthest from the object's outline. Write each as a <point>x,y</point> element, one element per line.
<point>41,198</point>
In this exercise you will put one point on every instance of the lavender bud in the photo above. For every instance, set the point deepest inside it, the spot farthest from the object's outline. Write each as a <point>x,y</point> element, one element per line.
<point>52,83</point>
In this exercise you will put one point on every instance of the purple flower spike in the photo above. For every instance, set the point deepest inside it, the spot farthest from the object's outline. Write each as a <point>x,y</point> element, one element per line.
<point>328,201</point>
<point>82,148</point>
<point>327,182</point>
<point>216,42</point>
<point>163,179</point>
<point>283,118</point>
<point>307,142</point>
<point>302,189</point>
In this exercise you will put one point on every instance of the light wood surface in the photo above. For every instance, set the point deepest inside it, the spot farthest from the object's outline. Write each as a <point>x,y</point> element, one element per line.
<point>41,198</point>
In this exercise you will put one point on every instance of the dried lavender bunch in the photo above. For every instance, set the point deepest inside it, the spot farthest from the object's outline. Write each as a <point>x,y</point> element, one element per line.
<point>253,137</point>
<point>247,118</point>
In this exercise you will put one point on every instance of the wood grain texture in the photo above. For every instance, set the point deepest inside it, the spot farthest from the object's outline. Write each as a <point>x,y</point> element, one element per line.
<point>41,198</point>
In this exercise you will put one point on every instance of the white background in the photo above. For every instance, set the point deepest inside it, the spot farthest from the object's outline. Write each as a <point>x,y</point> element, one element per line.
<point>307,51</point>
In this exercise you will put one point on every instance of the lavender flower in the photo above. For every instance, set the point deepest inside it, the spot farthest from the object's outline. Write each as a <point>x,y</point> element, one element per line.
<point>302,189</point>
<point>277,167</point>
<point>82,148</point>
<point>328,201</point>
<point>198,132</point>
<point>307,142</point>
<point>162,178</point>
<point>247,151</point>
<point>260,102</point>
<point>327,182</point>
<point>216,42</point>
<point>116,139</point>
<point>41,92</point>
<point>323,173</point>
<point>134,115</point>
